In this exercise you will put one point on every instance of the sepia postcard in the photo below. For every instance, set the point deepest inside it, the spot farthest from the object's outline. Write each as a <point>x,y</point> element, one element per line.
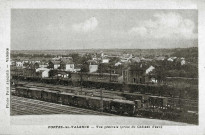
<point>102,67</point>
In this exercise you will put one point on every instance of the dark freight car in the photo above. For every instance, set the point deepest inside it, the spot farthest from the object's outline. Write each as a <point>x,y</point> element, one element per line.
<point>122,106</point>
<point>35,92</point>
<point>67,98</point>
<point>81,101</point>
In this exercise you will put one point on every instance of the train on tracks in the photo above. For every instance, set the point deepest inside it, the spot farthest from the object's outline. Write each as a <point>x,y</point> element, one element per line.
<point>142,103</point>
<point>132,104</point>
<point>118,106</point>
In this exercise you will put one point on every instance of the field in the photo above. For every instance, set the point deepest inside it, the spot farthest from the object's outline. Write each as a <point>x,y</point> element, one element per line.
<point>143,52</point>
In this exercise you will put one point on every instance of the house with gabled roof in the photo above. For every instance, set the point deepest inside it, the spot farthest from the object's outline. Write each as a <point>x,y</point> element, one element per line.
<point>67,65</point>
<point>19,63</point>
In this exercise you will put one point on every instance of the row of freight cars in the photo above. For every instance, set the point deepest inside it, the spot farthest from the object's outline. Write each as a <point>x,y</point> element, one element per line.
<point>146,100</point>
<point>118,106</point>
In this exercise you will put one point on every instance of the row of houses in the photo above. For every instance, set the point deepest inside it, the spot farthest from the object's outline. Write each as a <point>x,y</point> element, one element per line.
<point>65,67</point>
<point>142,59</point>
<point>130,74</point>
<point>78,76</point>
<point>129,58</point>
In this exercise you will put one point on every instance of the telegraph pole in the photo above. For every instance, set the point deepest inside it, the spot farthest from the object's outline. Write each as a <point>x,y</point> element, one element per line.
<point>101,93</point>
<point>180,96</point>
<point>101,96</point>
<point>110,73</point>
<point>81,79</point>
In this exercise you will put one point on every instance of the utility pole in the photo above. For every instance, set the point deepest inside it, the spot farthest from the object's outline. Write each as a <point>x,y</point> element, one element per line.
<point>81,78</point>
<point>101,74</point>
<point>101,93</point>
<point>110,73</point>
<point>101,97</point>
<point>180,96</point>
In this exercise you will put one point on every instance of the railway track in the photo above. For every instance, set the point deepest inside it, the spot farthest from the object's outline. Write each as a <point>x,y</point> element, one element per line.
<point>24,106</point>
<point>68,88</point>
<point>171,100</point>
<point>63,88</point>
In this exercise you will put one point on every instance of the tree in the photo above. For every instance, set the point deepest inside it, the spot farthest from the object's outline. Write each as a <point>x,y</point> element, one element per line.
<point>160,74</point>
<point>114,60</point>
<point>103,68</point>
<point>52,73</point>
<point>85,67</point>
<point>75,57</point>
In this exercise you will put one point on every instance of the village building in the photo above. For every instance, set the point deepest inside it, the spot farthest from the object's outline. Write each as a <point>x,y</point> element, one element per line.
<point>77,70</point>
<point>67,65</point>
<point>94,58</point>
<point>150,69</point>
<point>25,61</point>
<point>101,54</point>
<point>105,60</point>
<point>138,73</point>
<point>92,62</point>
<point>150,76</point>
<point>57,58</point>
<point>66,59</point>
<point>77,67</point>
<point>171,59</point>
<point>43,65</point>
<point>183,62</point>
<point>35,61</point>
<point>93,66</point>
<point>126,56</point>
<point>42,72</point>
<point>124,60</point>
<point>118,63</point>
<point>135,59</point>
<point>53,64</point>
<point>19,64</point>
<point>133,74</point>
<point>63,74</point>
<point>160,58</point>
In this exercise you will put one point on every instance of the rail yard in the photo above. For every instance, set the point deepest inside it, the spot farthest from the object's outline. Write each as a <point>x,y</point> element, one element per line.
<point>33,97</point>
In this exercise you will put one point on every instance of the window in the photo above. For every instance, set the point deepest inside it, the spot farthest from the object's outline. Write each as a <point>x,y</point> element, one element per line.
<point>134,80</point>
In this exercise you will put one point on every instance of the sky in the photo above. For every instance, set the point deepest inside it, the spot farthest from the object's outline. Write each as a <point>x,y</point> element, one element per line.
<point>50,29</point>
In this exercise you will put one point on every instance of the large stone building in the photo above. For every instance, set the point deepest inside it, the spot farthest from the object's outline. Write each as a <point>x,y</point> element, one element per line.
<point>137,73</point>
<point>133,75</point>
